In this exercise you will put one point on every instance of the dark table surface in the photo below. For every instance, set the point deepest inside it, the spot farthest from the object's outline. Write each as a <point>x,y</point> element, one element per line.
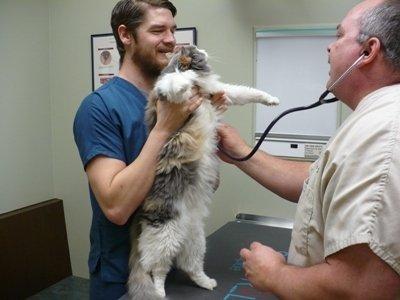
<point>222,262</point>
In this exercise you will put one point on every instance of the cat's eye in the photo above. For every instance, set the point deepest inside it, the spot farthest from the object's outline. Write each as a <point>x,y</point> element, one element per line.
<point>339,34</point>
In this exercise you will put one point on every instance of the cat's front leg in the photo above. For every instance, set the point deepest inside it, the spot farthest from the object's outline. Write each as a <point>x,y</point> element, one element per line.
<point>240,95</point>
<point>265,98</point>
<point>175,87</point>
<point>243,95</point>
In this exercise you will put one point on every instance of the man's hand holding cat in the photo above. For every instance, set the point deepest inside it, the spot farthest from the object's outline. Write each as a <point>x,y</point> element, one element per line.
<point>220,102</point>
<point>171,116</point>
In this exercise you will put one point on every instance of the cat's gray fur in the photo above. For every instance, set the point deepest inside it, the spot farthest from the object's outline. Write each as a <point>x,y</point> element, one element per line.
<point>171,217</point>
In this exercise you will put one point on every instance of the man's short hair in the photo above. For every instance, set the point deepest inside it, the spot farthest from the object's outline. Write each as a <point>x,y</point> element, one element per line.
<point>131,14</point>
<point>383,22</point>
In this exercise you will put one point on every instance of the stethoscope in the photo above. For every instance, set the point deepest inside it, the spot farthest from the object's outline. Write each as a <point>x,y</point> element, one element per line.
<point>320,101</point>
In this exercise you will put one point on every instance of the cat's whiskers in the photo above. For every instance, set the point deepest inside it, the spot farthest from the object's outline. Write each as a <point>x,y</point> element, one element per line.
<point>214,58</point>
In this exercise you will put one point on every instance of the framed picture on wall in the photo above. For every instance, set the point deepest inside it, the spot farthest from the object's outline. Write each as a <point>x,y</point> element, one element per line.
<point>105,59</point>
<point>186,36</point>
<point>105,56</point>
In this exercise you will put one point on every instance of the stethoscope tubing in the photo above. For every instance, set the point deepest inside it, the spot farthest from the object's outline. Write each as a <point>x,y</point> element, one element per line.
<point>320,101</point>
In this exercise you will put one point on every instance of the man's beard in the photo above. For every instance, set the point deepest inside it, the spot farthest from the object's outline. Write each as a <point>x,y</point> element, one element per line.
<point>147,63</point>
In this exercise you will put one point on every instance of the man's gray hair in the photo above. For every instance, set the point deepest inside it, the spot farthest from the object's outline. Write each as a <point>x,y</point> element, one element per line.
<point>383,22</point>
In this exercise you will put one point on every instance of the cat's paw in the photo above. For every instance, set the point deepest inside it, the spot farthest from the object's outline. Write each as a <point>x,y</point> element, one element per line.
<point>210,284</point>
<point>268,99</point>
<point>206,282</point>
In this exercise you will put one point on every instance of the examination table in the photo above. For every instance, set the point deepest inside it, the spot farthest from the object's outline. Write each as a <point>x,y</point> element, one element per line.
<point>222,262</point>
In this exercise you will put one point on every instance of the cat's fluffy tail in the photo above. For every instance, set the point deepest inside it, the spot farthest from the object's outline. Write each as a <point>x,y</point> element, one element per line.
<point>141,286</point>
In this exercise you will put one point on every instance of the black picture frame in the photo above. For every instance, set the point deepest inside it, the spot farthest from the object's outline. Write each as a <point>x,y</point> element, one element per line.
<point>104,58</point>
<point>186,36</point>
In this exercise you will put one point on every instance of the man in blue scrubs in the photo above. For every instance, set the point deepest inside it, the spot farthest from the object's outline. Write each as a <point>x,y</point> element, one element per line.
<point>118,154</point>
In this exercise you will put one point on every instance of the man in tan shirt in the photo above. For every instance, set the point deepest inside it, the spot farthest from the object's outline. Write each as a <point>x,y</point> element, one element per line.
<point>346,234</point>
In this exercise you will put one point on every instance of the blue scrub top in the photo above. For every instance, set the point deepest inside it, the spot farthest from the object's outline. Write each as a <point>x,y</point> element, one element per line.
<point>110,122</point>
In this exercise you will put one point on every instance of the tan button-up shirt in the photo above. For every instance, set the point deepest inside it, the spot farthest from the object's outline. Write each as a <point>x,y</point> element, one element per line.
<point>352,195</point>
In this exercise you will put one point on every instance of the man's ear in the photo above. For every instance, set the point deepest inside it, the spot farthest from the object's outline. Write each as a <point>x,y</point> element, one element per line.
<point>372,49</point>
<point>125,35</point>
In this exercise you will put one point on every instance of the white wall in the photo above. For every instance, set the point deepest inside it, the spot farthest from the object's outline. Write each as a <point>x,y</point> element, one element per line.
<point>25,123</point>
<point>46,53</point>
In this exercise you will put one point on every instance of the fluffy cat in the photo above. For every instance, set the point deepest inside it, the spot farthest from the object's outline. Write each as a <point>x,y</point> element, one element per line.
<point>170,226</point>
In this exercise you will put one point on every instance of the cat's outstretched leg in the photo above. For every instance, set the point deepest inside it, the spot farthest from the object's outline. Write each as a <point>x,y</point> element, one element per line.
<point>239,94</point>
<point>191,259</point>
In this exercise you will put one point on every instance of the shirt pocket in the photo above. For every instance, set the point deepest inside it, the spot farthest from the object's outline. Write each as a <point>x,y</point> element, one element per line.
<point>304,215</point>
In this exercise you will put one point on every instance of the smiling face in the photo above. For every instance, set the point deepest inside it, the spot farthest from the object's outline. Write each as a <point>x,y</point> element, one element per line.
<point>154,39</point>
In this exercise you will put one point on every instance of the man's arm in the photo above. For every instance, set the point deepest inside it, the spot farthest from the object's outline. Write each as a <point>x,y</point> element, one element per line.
<point>283,177</point>
<point>120,189</point>
<point>352,273</point>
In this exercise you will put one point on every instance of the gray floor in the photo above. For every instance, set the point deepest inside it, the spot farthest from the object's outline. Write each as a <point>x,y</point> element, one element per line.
<point>71,288</point>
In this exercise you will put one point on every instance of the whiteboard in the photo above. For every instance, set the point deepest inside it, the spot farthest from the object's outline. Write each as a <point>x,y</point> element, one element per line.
<point>292,64</point>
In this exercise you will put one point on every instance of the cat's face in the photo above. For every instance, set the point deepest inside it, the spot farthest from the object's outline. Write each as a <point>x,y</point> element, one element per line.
<point>189,58</point>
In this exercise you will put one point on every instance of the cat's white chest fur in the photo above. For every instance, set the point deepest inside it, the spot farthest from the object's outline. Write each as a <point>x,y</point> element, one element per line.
<point>176,87</point>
